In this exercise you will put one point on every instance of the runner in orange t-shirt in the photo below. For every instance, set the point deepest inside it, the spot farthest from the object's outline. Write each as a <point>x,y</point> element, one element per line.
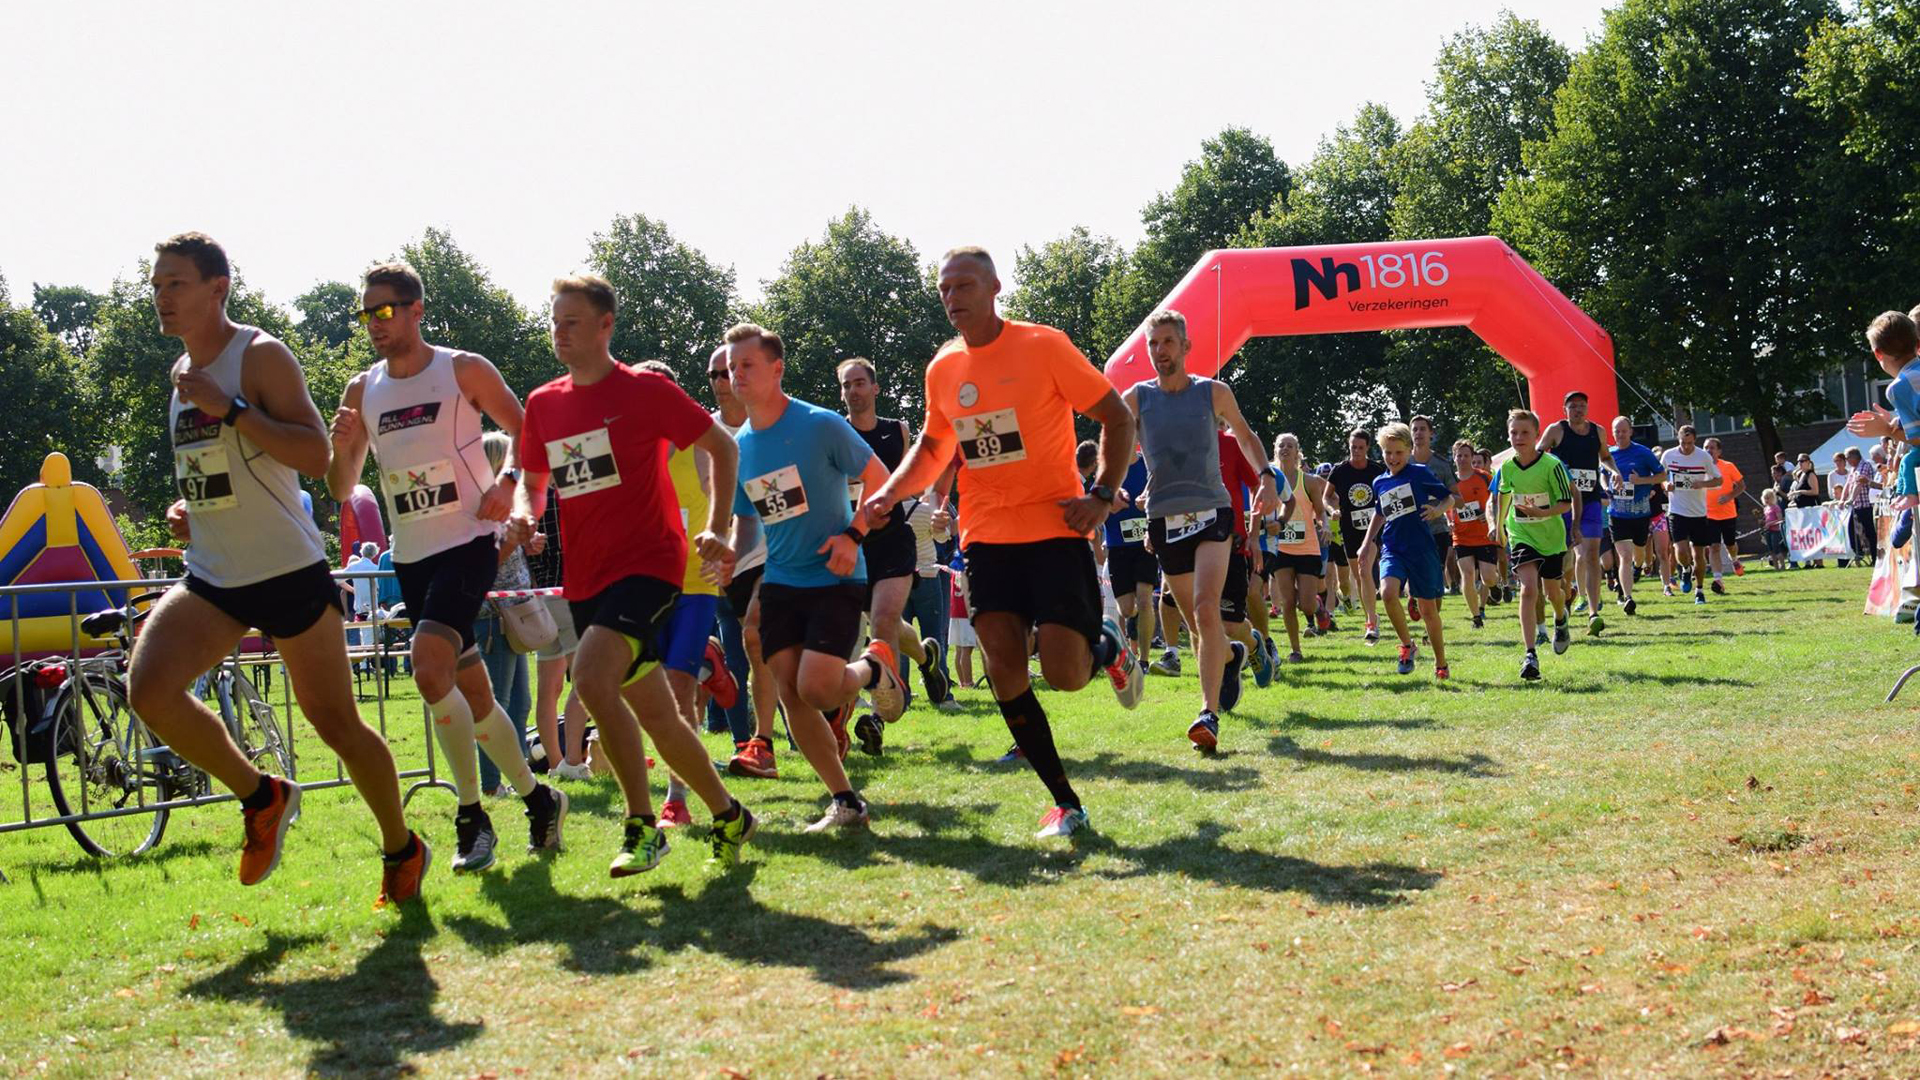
<point>1003,397</point>
<point>1472,542</point>
<point>1723,514</point>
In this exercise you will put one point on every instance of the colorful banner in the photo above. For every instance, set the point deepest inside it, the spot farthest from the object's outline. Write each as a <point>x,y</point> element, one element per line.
<point>1896,575</point>
<point>1818,532</point>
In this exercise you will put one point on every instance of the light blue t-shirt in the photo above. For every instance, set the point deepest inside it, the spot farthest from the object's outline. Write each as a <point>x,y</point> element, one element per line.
<point>793,477</point>
<point>1635,460</point>
<point>1904,395</point>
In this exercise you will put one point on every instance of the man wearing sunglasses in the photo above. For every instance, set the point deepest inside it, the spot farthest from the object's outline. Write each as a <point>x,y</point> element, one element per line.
<point>243,428</point>
<point>420,410</point>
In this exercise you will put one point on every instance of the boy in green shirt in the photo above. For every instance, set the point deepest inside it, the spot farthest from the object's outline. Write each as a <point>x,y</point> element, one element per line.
<point>1534,491</point>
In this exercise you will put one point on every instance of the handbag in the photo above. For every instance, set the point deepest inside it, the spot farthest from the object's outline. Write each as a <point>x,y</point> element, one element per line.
<point>528,624</point>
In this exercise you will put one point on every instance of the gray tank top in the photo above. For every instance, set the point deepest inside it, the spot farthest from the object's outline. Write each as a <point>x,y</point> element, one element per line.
<point>1180,439</point>
<point>248,522</point>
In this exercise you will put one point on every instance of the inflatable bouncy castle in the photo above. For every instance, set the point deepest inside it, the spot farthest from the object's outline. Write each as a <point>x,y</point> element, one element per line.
<point>57,531</point>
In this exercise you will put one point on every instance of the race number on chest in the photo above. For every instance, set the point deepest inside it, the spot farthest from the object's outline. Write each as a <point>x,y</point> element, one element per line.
<point>423,491</point>
<point>988,439</point>
<point>778,496</point>
<point>203,478</point>
<point>583,463</point>
<point>1397,502</point>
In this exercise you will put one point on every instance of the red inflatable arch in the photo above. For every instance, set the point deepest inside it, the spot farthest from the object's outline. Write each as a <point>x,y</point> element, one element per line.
<point>1476,282</point>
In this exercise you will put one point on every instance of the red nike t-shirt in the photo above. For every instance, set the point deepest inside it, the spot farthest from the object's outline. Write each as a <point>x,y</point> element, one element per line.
<point>607,446</point>
<point>1239,477</point>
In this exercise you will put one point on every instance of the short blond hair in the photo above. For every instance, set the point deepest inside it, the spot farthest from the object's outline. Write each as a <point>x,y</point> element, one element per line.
<point>597,290</point>
<point>768,340</point>
<point>1394,432</point>
<point>1523,414</point>
<point>861,362</point>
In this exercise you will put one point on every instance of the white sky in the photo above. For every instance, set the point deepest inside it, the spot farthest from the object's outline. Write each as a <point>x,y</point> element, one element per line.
<point>313,139</point>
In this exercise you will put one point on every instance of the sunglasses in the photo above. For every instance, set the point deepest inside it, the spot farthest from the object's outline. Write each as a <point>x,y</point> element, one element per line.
<point>383,312</point>
<point>718,375</point>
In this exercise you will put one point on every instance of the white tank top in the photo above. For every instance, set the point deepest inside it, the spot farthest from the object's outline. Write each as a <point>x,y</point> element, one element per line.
<point>248,522</point>
<point>756,554</point>
<point>433,469</point>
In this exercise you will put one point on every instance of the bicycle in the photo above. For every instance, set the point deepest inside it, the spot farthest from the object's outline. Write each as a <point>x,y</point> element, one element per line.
<point>104,765</point>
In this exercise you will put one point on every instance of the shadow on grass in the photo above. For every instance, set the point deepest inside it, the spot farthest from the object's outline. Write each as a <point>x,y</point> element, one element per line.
<point>1107,765</point>
<point>368,1020</point>
<point>1296,718</point>
<point>159,857</point>
<point>1475,765</point>
<point>606,935</point>
<point>1375,884</point>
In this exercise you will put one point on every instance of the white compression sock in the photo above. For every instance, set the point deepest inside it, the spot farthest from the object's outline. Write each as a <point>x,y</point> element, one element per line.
<point>453,726</point>
<point>496,738</point>
<point>676,791</point>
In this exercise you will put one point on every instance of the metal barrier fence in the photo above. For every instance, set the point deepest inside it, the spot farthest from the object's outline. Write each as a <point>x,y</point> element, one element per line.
<point>22,660</point>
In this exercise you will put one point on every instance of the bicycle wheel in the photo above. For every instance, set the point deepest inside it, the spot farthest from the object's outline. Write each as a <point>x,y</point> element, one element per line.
<point>104,758</point>
<point>258,735</point>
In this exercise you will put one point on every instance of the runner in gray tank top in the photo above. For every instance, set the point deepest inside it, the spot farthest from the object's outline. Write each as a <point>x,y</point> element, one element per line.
<point>419,409</point>
<point>242,426</point>
<point>1189,513</point>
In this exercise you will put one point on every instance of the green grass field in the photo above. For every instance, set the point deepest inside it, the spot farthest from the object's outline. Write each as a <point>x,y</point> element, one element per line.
<point>1689,851</point>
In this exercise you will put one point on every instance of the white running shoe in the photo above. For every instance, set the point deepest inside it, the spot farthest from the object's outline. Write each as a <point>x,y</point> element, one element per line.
<point>840,815</point>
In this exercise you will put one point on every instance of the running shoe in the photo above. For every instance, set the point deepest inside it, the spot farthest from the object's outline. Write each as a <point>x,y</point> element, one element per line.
<point>474,841</point>
<point>1204,732</point>
<point>1441,672</point>
<point>264,830</point>
<point>546,812</point>
<point>1595,625</point>
<point>1062,821</point>
<point>837,722</point>
<point>1718,588</point>
<point>933,673</point>
<point>1699,599</point>
<point>1325,620</point>
<point>1562,638</point>
<point>1686,581</point>
<point>567,770</point>
<point>952,705</point>
<point>1740,568</point>
<point>641,849</point>
<point>1373,634</point>
<point>870,732</point>
<point>1013,756</point>
<point>1628,606</point>
<point>1262,661</point>
<point>1331,626</point>
<point>1168,664</point>
<point>1479,621</point>
<point>1124,672</point>
<point>1407,653</point>
<point>1273,655</point>
<point>1296,658</point>
<point>1669,588</point>
<point>1230,677</point>
<point>400,875</point>
<point>1540,635</point>
<point>754,758</point>
<point>1530,667</point>
<point>840,815</point>
<point>717,677</point>
<point>673,814</point>
<point>889,694</point>
<point>1580,608</point>
<point>728,837</point>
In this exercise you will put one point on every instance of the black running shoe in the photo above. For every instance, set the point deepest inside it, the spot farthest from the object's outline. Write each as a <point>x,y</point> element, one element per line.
<point>1230,678</point>
<point>871,733</point>
<point>933,674</point>
<point>1530,668</point>
<point>1629,606</point>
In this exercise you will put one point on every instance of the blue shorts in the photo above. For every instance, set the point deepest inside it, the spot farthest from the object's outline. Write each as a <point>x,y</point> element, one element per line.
<point>1420,570</point>
<point>1593,520</point>
<point>683,640</point>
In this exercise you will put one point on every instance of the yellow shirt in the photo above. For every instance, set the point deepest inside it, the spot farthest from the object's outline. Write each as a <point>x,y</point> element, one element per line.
<point>693,511</point>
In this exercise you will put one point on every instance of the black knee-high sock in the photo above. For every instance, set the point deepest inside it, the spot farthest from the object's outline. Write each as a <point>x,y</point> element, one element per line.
<point>1034,736</point>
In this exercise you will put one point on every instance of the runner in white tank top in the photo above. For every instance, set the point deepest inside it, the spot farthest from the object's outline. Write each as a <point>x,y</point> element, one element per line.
<point>419,410</point>
<point>243,427</point>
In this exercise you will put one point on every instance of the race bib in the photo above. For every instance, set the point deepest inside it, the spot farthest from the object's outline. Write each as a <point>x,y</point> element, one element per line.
<point>856,491</point>
<point>1532,500</point>
<point>1362,519</point>
<point>1182,526</point>
<point>1133,530</point>
<point>778,496</point>
<point>423,491</point>
<point>1397,502</point>
<point>583,463</point>
<point>1587,480</point>
<point>989,439</point>
<point>203,478</point>
<point>1470,512</point>
<point>1293,532</point>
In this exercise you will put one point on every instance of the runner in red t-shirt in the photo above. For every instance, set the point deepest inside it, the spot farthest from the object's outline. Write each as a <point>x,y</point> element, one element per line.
<point>602,434</point>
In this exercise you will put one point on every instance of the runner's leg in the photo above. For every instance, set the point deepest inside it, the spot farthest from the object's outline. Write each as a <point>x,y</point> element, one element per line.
<point>182,638</point>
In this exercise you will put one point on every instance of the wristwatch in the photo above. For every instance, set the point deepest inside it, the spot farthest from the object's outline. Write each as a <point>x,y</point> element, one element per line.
<point>1101,492</point>
<point>854,535</point>
<point>510,476</point>
<point>239,405</point>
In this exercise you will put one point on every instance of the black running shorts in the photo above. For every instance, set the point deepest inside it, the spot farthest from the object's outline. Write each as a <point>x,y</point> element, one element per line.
<point>449,586</point>
<point>284,606</point>
<point>822,619</point>
<point>1042,581</point>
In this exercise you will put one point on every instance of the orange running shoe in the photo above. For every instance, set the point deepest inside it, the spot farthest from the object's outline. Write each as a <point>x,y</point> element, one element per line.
<point>400,877</point>
<point>755,758</point>
<point>889,694</point>
<point>838,722</point>
<point>266,829</point>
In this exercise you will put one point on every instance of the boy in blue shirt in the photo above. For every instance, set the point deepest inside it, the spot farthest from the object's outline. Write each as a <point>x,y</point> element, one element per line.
<point>795,462</point>
<point>1895,341</point>
<point>1408,497</point>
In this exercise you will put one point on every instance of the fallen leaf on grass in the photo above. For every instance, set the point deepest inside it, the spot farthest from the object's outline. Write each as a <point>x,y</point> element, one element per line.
<point>194,923</point>
<point>1816,996</point>
<point>1332,1026</point>
<point>1721,1036</point>
<point>1858,1036</point>
<point>1904,1027</point>
<point>1412,1058</point>
<point>1139,1010</point>
<point>1451,987</point>
<point>1459,1050</point>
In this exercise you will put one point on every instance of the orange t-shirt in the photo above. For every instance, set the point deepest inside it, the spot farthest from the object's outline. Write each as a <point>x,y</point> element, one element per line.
<point>1470,517</point>
<point>1009,407</point>
<point>1729,476</point>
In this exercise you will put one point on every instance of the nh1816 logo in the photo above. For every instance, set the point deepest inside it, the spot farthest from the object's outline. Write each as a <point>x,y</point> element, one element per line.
<point>1386,271</point>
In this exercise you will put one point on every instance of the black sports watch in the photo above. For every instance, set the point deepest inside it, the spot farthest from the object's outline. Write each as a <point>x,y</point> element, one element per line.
<point>233,414</point>
<point>854,535</point>
<point>1101,492</point>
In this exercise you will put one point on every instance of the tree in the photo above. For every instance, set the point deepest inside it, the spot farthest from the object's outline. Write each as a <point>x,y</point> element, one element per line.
<point>1059,285</point>
<point>466,310</point>
<point>674,302</point>
<point>329,313</point>
<point>43,378</point>
<point>68,312</point>
<point>1700,210</point>
<point>857,291</point>
<point>1860,74</point>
